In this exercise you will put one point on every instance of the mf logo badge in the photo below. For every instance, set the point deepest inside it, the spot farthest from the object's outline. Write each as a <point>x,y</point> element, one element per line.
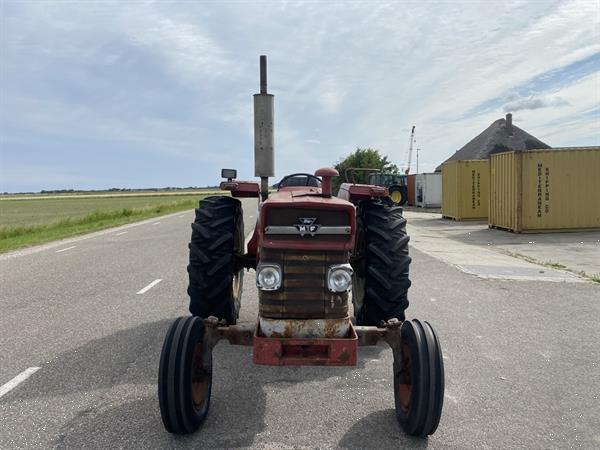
<point>307,225</point>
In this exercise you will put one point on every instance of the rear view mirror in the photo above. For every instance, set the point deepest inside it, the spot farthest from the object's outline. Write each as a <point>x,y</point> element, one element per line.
<point>230,174</point>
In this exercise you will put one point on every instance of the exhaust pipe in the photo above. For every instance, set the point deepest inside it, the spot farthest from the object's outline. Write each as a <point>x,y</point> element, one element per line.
<point>264,163</point>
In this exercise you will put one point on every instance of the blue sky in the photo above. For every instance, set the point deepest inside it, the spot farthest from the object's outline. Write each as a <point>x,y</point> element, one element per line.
<point>140,94</point>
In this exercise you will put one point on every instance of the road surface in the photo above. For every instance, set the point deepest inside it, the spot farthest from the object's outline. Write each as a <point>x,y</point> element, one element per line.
<point>521,357</point>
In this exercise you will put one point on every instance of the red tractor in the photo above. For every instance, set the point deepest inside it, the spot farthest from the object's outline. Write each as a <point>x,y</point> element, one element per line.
<point>309,251</point>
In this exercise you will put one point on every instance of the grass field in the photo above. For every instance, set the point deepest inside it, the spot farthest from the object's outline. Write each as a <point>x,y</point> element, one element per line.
<point>25,222</point>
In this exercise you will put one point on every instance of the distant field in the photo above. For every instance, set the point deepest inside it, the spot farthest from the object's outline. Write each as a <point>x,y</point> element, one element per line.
<point>48,210</point>
<point>31,221</point>
<point>92,194</point>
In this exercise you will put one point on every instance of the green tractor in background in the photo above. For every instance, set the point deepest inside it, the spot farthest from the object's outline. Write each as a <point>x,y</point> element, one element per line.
<point>394,182</point>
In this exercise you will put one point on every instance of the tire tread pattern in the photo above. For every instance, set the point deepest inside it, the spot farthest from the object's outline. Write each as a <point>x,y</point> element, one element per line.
<point>387,261</point>
<point>178,413</point>
<point>211,262</point>
<point>427,378</point>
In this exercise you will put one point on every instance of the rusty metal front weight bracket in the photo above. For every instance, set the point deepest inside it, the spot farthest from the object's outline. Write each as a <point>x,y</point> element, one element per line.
<point>388,331</point>
<point>242,334</point>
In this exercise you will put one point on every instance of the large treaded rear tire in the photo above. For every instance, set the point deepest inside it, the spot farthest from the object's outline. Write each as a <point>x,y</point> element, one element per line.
<point>215,284</point>
<point>380,288</point>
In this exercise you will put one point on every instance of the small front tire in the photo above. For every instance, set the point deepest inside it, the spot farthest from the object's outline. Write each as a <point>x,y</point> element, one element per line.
<point>418,379</point>
<point>185,376</point>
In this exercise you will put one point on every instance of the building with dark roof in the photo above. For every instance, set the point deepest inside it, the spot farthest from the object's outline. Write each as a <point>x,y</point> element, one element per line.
<point>500,136</point>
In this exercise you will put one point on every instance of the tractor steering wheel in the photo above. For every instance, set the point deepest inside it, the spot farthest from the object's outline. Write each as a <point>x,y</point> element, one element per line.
<point>299,179</point>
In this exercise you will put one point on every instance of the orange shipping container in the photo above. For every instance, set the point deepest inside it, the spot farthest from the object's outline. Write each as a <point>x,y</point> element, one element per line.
<point>410,187</point>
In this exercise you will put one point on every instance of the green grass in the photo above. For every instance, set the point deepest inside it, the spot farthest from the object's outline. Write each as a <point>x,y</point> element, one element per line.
<point>29,222</point>
<point>44,211</point>
<point>554,265</point>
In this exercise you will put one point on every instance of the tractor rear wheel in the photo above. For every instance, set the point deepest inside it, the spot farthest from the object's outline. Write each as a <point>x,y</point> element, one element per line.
<point>418,379</point>
<point>380,262</point>
<point>215,283</point>
<point>398,194</point>
<point>184,376</point>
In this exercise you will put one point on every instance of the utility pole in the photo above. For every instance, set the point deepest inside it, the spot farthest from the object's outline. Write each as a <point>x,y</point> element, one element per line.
<point>418,159</point>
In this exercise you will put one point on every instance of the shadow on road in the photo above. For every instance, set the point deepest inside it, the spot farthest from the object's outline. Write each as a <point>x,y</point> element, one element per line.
<point>380,430</point>
<point>126,357</point>
<point>107,390</point>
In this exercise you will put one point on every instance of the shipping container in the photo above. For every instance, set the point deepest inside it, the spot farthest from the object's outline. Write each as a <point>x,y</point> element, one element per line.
<point>545,190</point>
<point>465,188</point>
<point>428,188</point>
<point>410,187</point>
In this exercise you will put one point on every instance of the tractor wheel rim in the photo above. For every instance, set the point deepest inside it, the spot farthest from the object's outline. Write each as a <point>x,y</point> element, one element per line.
<point>236,285</point>
<point>200,379</point>
<point>396,196</point>
<point>405,383</point>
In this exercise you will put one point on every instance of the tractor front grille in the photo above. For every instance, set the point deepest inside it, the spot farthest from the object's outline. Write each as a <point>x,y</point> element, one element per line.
<point>334,225</point>
<point>304,293</point>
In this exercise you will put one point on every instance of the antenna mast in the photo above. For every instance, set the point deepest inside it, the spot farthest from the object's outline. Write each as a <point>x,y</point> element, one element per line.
<point>410,150</point>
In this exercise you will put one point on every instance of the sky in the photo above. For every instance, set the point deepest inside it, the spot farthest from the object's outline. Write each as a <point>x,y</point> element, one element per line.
<point>139,94</point>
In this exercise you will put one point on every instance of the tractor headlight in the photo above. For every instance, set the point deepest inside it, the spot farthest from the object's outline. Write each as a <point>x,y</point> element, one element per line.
<point>339,278</point>
<point>268,277</point>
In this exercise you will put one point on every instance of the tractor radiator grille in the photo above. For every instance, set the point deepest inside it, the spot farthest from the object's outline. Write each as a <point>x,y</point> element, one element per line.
<point>333,225</point>
<point>304,293</point>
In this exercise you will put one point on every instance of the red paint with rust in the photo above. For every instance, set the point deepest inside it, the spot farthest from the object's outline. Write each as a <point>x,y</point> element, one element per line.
<point>274,351</point>
<point>326,173</point>
<point>356,192</point>
<point>241,188</point>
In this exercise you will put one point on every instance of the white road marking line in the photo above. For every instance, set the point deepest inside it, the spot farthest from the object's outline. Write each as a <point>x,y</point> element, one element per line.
<point>6,388</point>
<point>155,223</point>
<point>121,233</point>
<point>183,215</point>
<point>150,286</point>
<point>65,249</point>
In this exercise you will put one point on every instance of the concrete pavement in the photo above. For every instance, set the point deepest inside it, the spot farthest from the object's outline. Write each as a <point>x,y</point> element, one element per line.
<point>489,253</point>
<point>521,357</point>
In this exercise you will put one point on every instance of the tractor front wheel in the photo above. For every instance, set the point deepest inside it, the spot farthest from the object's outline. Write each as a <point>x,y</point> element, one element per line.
<point>184,376</point>
<point>418,379</point>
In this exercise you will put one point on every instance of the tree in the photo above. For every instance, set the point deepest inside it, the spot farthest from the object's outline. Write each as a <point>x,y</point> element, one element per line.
<point>365,158</point>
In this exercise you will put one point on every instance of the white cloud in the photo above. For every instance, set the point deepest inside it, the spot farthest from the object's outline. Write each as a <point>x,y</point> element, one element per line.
<point>533,102</point>
<point>189,52</point>
<point>361,72</point>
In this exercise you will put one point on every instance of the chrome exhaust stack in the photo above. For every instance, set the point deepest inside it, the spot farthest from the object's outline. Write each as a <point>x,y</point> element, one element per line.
<point>264,162</point>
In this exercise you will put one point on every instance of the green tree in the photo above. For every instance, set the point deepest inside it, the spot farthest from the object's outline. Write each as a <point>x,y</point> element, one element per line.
<point>365,158</point>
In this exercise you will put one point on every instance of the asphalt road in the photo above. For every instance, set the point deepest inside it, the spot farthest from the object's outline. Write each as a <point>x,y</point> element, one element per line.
<point>522,357</point>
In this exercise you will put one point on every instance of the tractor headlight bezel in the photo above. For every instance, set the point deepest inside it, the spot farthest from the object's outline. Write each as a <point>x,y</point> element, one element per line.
<point>268,276</point>
<point>339,278</point>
